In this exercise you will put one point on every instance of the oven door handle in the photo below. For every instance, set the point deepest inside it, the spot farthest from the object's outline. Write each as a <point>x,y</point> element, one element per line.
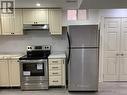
<point>32,61</point>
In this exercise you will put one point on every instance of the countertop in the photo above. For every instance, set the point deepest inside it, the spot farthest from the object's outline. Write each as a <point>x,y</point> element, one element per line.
<point>57,55</point>
<point>10,56</point>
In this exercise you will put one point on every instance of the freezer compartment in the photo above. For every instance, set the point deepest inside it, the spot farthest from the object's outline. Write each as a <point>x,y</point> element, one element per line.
<point>83,70</point>
<point>84,35</point>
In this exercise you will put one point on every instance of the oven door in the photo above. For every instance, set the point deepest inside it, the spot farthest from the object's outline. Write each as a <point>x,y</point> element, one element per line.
<point>34,69</point>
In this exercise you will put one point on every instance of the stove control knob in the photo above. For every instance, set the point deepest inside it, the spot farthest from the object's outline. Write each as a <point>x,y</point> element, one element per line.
<point>29,48</point>
<point>46,47</point>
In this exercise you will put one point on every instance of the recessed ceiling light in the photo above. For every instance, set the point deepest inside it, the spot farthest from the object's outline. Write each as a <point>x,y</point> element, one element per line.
<point>38,4</point>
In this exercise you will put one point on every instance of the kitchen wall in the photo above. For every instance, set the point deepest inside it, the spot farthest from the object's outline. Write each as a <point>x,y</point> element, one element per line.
<point>18,44</point>
<point>113,12</point>
<point>92,18</point>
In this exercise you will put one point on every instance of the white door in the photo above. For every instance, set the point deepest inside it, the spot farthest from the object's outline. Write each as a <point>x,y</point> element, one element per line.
<point>111,49</point>
<point>123,51</point>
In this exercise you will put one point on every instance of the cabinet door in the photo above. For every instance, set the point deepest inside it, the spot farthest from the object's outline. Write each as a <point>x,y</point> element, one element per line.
<point>55,81</point>
<point>4,76</point>
<point>42,16</point>
<point>8,24</point>
<point>29,16</point>
<point>12,24</point>
<point>111,49</point>
<point>14,73</point>
<point>35,16</point>
<point>18,22</point>
<point>55,21</point>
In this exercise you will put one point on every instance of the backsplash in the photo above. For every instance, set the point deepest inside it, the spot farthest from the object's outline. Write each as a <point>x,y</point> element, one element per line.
<point>18,44</point>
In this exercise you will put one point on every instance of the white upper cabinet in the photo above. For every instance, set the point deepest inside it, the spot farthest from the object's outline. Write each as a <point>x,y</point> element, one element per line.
<point>12,24</point>
<point>18,22</point>
<point>55,21</point>
<point>35,16</point>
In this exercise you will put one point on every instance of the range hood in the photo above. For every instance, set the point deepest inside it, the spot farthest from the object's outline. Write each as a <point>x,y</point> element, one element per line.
<point>35,26</point>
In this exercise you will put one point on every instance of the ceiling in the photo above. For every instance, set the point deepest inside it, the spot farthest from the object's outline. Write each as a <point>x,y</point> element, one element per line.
<point>65,4</point>
<point>72,4</point>
<point>103,4</point>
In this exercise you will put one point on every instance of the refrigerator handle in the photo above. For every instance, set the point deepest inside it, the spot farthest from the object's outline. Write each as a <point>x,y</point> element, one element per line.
<point>69,50</point>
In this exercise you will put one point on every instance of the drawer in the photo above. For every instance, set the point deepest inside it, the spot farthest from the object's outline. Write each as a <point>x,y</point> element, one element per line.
<point>55,80</point>
<point>55,61</point>
<point>54,72</point>
<point>55,67</point>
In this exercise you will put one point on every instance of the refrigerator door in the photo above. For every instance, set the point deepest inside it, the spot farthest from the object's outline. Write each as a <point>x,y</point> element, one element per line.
<point>84,35</point>
<point>83,70</point>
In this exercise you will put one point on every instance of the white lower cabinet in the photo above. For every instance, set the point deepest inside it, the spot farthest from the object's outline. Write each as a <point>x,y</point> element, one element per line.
<point>56,72</point>
<point>9,73</point>
<point>14,72</point>
<point>55,81</point>
<point>4,74</point>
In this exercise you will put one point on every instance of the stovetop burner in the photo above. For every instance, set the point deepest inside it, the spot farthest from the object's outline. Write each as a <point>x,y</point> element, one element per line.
<point>36,52</point>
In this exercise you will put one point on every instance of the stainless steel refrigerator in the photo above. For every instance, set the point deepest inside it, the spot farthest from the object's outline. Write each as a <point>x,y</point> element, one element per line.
<point>84,58</point>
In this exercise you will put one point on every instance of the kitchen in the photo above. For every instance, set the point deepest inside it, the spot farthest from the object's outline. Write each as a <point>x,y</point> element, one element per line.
<point>13,45</point>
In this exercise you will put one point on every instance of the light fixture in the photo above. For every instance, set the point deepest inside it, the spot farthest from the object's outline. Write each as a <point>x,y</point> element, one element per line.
<point>38,4</point>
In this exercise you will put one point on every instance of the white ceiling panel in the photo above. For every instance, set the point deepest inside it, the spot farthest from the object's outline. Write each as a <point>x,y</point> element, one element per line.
<point>103,4</point>
<point>71,4</point>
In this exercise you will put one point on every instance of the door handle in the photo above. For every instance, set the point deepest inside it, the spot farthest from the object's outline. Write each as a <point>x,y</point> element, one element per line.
<point>69,50</point>
<point>122,54</point>
<point>119,54</point>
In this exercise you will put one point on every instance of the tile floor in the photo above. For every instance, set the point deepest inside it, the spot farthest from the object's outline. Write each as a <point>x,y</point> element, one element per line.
<point>107,88</point>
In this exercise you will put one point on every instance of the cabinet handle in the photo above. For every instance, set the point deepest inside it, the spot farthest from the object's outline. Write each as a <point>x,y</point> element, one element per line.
<point>55,81</point>
<point>122,54</point>
<point>12,33</point>
<point>54,61</point>
<point>117,54</point>
<point>54,67</point>
<point>54,73</point>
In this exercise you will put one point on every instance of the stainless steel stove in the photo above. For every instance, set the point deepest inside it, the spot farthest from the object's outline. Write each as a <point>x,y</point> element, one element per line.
<point>34,68</point>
